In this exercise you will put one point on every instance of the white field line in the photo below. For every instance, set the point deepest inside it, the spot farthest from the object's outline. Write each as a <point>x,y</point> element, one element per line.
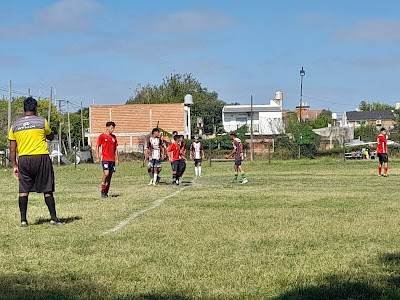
<point>133,216</point>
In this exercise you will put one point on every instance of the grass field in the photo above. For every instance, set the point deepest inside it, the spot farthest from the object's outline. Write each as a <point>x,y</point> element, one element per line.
<point>308,229</point>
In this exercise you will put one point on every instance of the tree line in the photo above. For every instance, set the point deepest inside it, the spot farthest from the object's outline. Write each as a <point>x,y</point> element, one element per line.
<point>56,118</point>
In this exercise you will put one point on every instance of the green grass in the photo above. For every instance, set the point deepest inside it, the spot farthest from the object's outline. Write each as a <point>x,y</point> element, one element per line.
<point>308,229</point>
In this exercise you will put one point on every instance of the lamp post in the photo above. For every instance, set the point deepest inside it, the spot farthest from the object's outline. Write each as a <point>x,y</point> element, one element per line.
<point>302,74</point>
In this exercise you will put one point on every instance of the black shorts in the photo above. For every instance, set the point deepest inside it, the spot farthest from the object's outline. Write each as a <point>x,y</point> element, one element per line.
<point>175,165</point>
<point>108,165</point>
<point>197,161</point>
<point>238,163</point>
<point>36,174</point>
<point>383,158</point>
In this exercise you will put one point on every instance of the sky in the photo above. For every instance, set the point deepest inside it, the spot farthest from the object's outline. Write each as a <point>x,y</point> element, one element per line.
<point>101,51</point>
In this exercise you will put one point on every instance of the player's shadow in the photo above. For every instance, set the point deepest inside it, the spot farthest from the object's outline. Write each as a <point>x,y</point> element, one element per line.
<point>383,284</point>
<point>113,195</point>
<point>63,220</point>
<point>67,286</point>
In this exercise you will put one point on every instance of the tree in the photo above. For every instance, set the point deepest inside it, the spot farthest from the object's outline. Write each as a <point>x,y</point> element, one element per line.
<point>17,110</point>
<point>173,90</point>
<point>322,120</point>
<point>367,133</point>
<point>300,135</point>
<point>365,106</point>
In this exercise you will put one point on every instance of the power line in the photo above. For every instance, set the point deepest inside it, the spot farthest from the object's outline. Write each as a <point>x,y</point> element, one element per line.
<point>329,102</point>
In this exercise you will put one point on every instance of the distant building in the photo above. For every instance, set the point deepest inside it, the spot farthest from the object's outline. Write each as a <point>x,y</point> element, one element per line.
<point>267,118</point>
<point>305,113</point>
<point>134,122</point>
<point>384,118</point>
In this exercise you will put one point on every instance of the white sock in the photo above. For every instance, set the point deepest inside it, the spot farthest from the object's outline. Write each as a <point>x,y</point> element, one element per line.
<point>155,177</point>
<point>199,170</point>
<point>196,172</point>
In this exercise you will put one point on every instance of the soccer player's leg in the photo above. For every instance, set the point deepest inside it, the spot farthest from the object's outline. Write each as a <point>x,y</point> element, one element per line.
<point>110,174</point>
<point>199,168</point>
<point>25,185</point>
<point>242,173</point>
<point>385,165</point>
<point>104,179</point>
<point>156,168</point>
<point>235,175</point>
<point>380,164</point>
<point>150,167</point>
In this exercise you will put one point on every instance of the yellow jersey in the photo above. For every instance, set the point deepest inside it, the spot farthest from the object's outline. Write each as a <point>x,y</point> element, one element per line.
<point>30,134</point>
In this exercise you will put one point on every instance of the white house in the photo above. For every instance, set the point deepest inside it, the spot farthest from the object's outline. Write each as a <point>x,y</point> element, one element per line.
<point>267,119</point>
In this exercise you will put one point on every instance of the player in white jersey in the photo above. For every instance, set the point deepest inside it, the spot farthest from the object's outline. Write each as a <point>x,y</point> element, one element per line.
<point>197,153</point>
<point>155,155</point>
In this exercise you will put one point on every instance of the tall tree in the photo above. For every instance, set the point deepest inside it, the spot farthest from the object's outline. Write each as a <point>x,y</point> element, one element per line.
<point>366,106</point>
<point>322,120</point>
<point>17,110</point>
<point>173,90</point>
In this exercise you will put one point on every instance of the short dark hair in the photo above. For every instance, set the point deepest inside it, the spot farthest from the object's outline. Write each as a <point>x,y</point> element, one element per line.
<point>233,134</point>
<point>30,104</point>
<point>110,123</point>
<point>382,129</point>
<point>176,137</point>
<point>174,132</point>
<point>155,130</point>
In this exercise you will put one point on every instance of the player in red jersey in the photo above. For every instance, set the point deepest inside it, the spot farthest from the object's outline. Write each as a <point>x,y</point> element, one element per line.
<point>381,150</point>
<point>109,156</point>
<point>182,159</point>
<point>174,152</point>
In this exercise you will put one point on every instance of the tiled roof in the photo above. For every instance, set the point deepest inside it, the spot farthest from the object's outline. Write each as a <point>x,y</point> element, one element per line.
<point>370,115</point>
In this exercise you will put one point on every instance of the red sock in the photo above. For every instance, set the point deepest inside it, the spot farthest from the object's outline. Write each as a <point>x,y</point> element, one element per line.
<point>103,187</point>
<point>379,170</point>
<point>385,170</point>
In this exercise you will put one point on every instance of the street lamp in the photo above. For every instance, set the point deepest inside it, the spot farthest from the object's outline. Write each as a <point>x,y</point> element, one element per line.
<point>302,74</point>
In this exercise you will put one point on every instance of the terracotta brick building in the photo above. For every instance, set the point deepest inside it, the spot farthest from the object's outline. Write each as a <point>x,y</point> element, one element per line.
<point>134,122</point>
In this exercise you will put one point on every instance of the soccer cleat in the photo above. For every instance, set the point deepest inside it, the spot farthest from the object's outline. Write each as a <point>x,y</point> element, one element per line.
<point>158,179</point>
<point>379,175</point>
<point>155,183</point>
<point>234,181</point>
<point>245,181</point>
<point>55,223</point>
<point>385,175</point>
<point>103,194</point>
<point>177,182</point>
<point>24,224</point>
<point>151,182</point>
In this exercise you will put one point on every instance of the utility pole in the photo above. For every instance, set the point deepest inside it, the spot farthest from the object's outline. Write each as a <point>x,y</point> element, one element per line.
<point>251,130</point>
<point>50,103</point>
<point>9,108</point>
<point>83,130</point>
<point>8,122</point>
<point>59,130</point>
<point>69,129</point>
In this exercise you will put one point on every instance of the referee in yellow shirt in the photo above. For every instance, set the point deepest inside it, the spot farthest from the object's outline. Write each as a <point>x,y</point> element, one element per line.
<point>34,169</point>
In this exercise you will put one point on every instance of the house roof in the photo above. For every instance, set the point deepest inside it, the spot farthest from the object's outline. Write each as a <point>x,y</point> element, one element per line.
<point>370,115</point>
<point>247,108</point>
